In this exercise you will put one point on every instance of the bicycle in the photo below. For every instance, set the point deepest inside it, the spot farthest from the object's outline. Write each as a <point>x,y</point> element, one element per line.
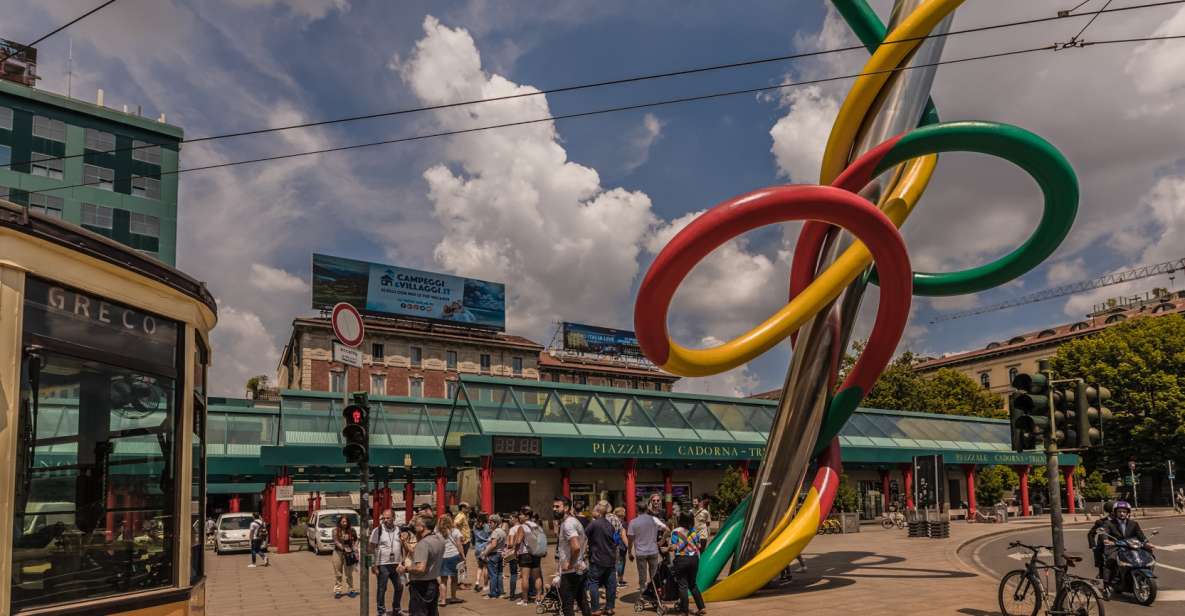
<point>1022,593</point>
<point>893,518</point>
<point>830,526</point>
<point>995,518</point>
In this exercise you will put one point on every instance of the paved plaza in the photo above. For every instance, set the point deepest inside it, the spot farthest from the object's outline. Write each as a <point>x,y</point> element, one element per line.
<point>863,573</point>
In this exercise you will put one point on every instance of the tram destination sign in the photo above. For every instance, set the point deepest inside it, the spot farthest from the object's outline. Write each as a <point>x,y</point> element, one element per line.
<point>517,446</point>
<point>388,290</point>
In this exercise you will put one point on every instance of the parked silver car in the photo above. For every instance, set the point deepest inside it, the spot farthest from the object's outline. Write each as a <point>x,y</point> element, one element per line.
<point>232,533</point>
<point>320,530</point>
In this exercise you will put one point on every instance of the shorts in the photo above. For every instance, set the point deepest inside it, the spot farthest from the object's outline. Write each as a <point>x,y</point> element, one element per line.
<point>528,561</point>
<point>448,568</point>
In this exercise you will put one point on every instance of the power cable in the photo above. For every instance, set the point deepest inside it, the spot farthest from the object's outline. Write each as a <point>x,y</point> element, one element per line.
<point>1094,17</point>
<point>611,82</point>
<point>670,101</point>
<point>59,29</point>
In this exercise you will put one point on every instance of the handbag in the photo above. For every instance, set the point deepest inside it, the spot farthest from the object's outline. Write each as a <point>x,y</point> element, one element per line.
<point>351,559</point>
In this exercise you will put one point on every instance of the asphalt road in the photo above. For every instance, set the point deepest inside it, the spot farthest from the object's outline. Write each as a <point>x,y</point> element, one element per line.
<point>993,555</point>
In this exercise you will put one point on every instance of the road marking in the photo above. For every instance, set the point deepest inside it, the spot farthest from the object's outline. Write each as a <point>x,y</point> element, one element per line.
<point>1028,555</point>
<point>1160,564</point>
<point>1170,595</point>
<point>1172,548</point>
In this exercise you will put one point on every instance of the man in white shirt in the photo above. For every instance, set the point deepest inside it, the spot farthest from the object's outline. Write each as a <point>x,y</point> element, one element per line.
<point>387,549</point>
<point>571,547</point>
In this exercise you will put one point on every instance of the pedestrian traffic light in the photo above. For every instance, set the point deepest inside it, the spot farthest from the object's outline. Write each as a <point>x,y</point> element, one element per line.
<point>1065,412</point>
<point>1029,410</point>
<point>1091,413</point>
<point>356,431</point>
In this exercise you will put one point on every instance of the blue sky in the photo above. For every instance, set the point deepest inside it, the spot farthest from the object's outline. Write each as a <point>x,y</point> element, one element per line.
<point>569,215</point>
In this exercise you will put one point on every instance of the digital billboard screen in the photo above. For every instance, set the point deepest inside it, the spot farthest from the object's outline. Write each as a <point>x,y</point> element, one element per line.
<point>387,290</point>
<point>600,340</point>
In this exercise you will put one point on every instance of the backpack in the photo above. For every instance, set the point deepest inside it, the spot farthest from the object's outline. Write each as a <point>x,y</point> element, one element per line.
<point>617,537</point>
<point>261,533</point>
<point>538,543</point>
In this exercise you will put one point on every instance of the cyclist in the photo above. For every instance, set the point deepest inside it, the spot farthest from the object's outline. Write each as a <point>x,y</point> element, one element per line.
<point>1120,526</point>
<point>1095,542</point>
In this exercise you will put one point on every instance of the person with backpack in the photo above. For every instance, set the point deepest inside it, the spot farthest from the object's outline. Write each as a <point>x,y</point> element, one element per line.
<point>258,536</point>
<point>685,544</point>
<point>615,519</point>
<point>602,560</point>
<point>530,550</point>
<point>492,554</point>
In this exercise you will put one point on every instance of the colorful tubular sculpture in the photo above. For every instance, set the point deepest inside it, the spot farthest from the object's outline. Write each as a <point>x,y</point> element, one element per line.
<point>878,241</point>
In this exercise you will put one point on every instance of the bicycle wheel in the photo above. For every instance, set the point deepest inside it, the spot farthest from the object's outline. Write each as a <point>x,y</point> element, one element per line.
<point>886,523</point>
<point>1082,599</point>
<point>1019,594</point>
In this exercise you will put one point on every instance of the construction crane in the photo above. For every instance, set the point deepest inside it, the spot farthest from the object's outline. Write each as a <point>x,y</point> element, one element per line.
<point>1145,271</point>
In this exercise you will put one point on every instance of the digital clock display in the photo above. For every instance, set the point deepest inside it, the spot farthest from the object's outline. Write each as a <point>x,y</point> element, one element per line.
<point>518,446</point>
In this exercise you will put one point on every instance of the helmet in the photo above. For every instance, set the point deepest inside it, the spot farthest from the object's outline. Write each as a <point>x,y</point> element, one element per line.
<point>1107,507</point>
<point>1121,505</point>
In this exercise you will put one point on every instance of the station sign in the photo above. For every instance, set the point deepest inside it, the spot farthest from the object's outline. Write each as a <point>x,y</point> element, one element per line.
<point>346,355</point>
<point>284,493</point>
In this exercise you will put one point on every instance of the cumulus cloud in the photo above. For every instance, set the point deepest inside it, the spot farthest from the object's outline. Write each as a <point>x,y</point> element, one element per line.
<point>642,139</point>
<point>276,280</point>
<point>739,381</point>
<point>1066,271</point>
<point>244,346</point>
<point>800,136</point>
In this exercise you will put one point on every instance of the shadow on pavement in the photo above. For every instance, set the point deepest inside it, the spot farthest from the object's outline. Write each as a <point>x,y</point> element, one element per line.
<point>970,611</point>
<point>840,569</point>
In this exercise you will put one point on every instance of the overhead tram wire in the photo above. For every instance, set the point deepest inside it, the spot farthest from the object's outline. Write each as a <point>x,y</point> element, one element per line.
<point>596,112</point>
<point>613,82</point>
<point>60,28</point>
<point>1094,17</point>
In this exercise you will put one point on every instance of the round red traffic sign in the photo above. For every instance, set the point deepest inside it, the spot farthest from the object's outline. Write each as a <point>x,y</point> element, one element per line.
<point>347,324</point>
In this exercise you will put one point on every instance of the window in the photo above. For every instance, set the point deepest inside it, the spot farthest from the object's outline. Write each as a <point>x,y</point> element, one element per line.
<point>517,364</point>
<point>143,224</point>
<point>583,379</point>
<point>197,521</point>
<point>452,389</point>
<point>146,187</point>
<point>1012,374</point>
<point>378,384</point>
<point>99,177</point>
<point>415,387</point>
<point>450,359</point>
<point>658,386</point>
<point>337,381</point>
<point>54,130</point>
<point>97,215</point>
<point>376,351</point>
<point>417,356</point>
<point>555,377</point>
<point>46,165</point>
<point>985,379</point>
<point>101,141</point>
<point>5,154</point>
<point>46,204</point>
<point>144,151</point>
<point>6,118</point>
<point>485,363</point>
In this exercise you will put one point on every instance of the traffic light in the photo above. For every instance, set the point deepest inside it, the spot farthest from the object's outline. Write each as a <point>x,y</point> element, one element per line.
<point>1029,410</point>
<point>356,431</point>
<point>1091,414</point>
<point>1065,415</point>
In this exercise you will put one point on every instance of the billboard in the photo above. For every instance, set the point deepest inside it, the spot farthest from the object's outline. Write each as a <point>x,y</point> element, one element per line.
<point>387,290</point>
<point>600,340</point>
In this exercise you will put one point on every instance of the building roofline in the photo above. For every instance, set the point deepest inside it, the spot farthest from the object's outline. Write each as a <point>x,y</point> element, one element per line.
<point>553,362</point>
<point>497,337</point>
<point>493,380</point>
<point>79,106</point>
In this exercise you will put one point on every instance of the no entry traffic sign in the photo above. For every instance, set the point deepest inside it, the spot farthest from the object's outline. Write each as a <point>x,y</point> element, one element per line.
<point>347,324</point>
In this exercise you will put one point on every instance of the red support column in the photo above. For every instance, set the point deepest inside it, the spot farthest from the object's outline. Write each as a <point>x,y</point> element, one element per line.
<point>907,484</point>
<point>387,498</point>
<point>1024,491</point>
<point>743,467</point>
<point>885,489</point>
<point>283,507</point>
<point>487,484</point>
<point>631,488</point>
<point>969,470</point>
<point>234,503</point>
<point>409,498</point>
<point>1072,507</point>
<point>376,502</point>
<point>441,486</point>
<point>667,496</point>
<point>566,482</point>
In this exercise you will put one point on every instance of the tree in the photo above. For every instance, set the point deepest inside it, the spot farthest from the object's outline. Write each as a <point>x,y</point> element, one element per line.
<point>947,391</point>
<point>847,497</point>
<point>256,385</point>
<point>732,490</point>
<point>1095,488</point>
<point>993,482</point>
<point>1142,362</point>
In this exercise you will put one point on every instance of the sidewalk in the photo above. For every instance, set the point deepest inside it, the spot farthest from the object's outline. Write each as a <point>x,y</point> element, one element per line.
<point>862,573</point>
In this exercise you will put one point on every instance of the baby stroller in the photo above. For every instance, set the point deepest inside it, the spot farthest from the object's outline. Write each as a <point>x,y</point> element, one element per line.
<point>549,601</point>
<point>662,589</point>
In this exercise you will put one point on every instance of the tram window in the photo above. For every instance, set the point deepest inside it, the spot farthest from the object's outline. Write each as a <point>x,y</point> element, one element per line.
<point>95,483</point>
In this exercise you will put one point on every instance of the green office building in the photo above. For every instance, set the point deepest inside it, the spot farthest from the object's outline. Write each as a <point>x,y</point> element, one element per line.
<point>109,171</point>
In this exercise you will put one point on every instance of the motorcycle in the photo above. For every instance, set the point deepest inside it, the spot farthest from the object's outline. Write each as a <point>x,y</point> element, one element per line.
<point>1136,562</point>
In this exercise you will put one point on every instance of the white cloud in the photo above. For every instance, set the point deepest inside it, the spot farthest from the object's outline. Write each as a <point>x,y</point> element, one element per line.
<point>800,136</point>
<point>1062,272</point>
<point>954,302</point>
<point>739,381</point>
<point>642,139</point>
<point>1158,67</point>
<point>245,347</point>
<point>276,280</point>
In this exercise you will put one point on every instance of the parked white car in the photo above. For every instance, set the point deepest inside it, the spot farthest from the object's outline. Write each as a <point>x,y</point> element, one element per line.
<point>232,532</point>
<point>320,530</point>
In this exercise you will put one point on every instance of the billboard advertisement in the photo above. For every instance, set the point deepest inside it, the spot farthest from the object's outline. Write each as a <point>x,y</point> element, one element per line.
<point>600,340</point>
<point>387,290</point>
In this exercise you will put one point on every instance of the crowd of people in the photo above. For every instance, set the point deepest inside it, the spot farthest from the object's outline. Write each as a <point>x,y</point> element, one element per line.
<point>430,557</point>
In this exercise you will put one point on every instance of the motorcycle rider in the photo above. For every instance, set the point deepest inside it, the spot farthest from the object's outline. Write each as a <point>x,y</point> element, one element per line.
<point>1095,542</point>
<point>1120,526</point>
